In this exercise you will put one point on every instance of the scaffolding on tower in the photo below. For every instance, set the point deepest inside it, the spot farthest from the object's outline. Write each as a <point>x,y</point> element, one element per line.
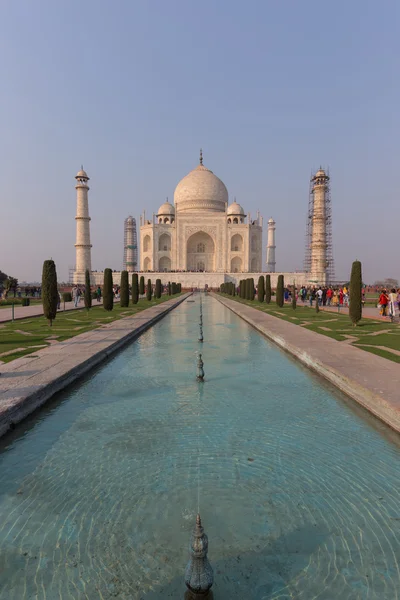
<point>330,264</point>
<point>130,245</point>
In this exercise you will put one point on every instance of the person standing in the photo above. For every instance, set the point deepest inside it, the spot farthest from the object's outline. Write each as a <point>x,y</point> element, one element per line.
<point>392,303</point>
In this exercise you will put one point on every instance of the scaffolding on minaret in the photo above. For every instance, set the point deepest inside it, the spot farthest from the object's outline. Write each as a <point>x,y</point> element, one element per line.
<point>130,245</point>
<point>330,264</point>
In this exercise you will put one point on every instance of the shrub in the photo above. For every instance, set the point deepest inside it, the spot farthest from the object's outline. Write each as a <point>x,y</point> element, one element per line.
<point>135,288</point>
<point>141,285</point>
<point>108,294</point>
<point>149,290</point>
<point>294,303</point>
<point>26,301</point>
<point>49,290</point>
<point>268,292</point>
<point>355,305</point>
<point>124,290</point>
<point>169,289</point>
<point>157,293</point>
<point>87,298</point>
<point>316,304</point>
<point>260,289</point>
<point>173,288</point>
<point>67,297</point>
<point>279,291</point>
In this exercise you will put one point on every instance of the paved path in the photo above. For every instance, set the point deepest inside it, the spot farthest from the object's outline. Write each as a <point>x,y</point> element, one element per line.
<point>28,382</point>
<point>35,310</point>
<point>369,379</point>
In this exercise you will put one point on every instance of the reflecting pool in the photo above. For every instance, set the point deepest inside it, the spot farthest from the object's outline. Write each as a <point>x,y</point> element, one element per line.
<point>298,490</point>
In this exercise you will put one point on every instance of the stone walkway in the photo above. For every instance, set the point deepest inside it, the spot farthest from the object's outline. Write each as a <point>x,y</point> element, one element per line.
<point>369,379</point>
<point>28,382</point>
<point>35,310</point>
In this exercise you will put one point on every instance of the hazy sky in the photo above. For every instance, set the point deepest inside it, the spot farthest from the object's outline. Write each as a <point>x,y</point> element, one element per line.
<point>270,90</point>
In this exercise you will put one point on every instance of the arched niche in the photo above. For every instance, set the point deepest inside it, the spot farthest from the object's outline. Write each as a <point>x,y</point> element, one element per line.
<point>164,243</point>
<point>200,254</point>
<point>236,243</point>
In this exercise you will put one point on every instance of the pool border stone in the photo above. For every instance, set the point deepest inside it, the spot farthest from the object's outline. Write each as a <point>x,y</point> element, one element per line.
<point>27,383</point>
<point>370,380</point>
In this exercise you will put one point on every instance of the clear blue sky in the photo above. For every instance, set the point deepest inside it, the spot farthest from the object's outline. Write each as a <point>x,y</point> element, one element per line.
<point>132,89</point>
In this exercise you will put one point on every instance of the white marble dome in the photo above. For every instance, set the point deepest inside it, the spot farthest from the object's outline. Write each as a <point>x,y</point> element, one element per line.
<point>166,209</point>
<point>82,174</point>
<point>201,190</point>
<point>235,209</point>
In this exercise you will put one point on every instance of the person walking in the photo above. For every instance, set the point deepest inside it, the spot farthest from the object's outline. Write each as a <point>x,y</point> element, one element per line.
<point>383,301</point>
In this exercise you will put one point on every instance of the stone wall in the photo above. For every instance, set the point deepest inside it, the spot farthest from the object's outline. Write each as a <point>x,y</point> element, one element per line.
<point>213,280</point>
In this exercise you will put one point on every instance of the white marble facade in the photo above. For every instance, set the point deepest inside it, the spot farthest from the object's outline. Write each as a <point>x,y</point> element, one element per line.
<point>200,232</point>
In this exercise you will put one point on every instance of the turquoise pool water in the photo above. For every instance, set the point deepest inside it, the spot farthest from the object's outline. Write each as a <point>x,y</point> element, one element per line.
<point>299,490</point>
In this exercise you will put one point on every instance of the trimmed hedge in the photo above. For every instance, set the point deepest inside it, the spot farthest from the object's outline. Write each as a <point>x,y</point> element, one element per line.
<point>108,293</point>
<point>149,290</point>
<point>268,291</point>
<point>355,306</point>
<point>49,290</point>
<point>124,290</point>
<point>67,297</point>
<point>135,288</point>
<point>279,291</point>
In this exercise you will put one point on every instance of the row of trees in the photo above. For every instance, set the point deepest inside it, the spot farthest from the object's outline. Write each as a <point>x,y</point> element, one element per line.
<point>264,292</point>
<point>50,297</point>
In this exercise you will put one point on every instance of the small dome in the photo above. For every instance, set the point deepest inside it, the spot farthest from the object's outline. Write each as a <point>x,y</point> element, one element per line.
<point>271,220</point>
<point>320,173</point>
<point>235,209</point>
<point>81,174</point>
<point>166,209</point>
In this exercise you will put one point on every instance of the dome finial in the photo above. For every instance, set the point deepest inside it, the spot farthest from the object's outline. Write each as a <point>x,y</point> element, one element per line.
<point>201,156</point>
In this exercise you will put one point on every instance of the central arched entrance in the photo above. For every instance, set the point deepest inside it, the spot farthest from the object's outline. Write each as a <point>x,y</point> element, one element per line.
<point>200,252</point>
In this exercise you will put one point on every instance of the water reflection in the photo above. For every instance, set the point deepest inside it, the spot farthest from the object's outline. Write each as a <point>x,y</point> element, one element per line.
<point>299,494</point>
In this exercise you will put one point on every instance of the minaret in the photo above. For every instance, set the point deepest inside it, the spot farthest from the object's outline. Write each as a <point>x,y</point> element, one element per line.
<point>83,245</point>
<point>320,183</point>
<point>130,244</point>
<point>271,246</point>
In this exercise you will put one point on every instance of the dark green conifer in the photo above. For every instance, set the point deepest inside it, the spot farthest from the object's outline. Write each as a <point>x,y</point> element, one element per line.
<point>49,290</point>
<point>124,290</point>
<point>141,285</point>
<point>280,291</point>
<point>88,294</point>
<point>108,292</point>
<point>135,288</point>
<point>169,289</point>
<point>149,290</point>
<point>157,292</point>
<point>355,300</point>
<point>268,292</point>
<point>294,302</point>
<point>260,289</point>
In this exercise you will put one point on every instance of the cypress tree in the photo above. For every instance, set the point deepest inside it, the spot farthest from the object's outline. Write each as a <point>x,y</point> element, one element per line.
<point>268,292</point>
<point>294,303</point>
<point>248,290</point>
<point>233,289</point>
<point>252,293</point>
<point>108,293</point>
<point>279,291</point>
<point>169,288</point>
<point>49,290</point>
<point>243,289</point>
<point>135,288</point>
<point>124,290</point>
<point>316,304</point>
<point>179,288</point>
<point>173,288</point>
<point>355,305</point>
<point>141,285</point>
<point>149,290</point>
<point>157,293</point>
<point>260,289</point>
<point>88,294</point>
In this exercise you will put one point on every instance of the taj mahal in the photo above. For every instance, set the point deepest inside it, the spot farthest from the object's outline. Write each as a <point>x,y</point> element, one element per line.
<point>202,238</point>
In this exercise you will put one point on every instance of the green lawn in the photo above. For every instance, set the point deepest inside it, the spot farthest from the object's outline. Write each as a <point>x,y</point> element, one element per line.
<point>338,327</point>
<point>29,335</point>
